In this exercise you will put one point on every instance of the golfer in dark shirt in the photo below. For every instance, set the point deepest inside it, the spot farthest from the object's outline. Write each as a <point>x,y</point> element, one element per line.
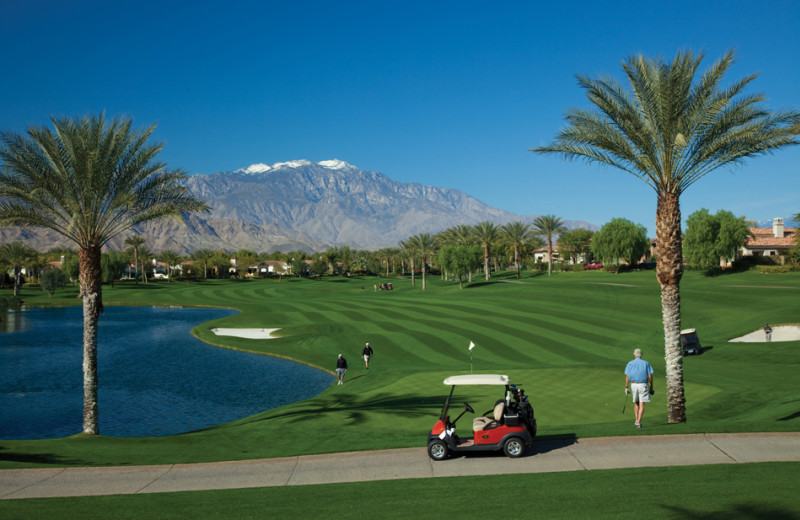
<point>341,368</point>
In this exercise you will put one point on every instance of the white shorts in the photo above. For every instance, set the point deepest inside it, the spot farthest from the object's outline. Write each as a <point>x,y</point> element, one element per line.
<point>366,357</point>
<point>640,392</point>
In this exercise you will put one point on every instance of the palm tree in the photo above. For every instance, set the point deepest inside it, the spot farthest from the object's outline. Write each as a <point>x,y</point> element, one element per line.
<point>548,226</point>
<point>410,252</point>
<point>135,242</point>
<point>204,256</point>
<point>487,233</point>
<point>89,181</point>
<point>670,130</point>
<point>515,233</point>
<point>17,255</point>
<point>170,258</point>
<point>423,244</point>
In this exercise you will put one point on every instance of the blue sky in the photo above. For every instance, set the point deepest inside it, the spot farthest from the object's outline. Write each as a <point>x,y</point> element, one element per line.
<point>450,94</point>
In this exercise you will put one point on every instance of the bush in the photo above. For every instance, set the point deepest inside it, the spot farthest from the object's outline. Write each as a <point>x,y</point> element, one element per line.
<point>770,269</point>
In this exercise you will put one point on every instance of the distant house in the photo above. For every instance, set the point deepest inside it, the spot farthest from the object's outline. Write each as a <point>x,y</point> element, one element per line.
<point>773,241</point>
<point>267,268</point>
<point>540,255</point>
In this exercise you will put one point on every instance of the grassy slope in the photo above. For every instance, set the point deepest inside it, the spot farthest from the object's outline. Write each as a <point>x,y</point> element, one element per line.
<point>566,338</point>
<point>702,492</point>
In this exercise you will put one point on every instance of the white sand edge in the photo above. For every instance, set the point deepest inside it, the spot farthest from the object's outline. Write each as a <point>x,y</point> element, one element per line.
<point>779,333</point>
<point>246,333</point>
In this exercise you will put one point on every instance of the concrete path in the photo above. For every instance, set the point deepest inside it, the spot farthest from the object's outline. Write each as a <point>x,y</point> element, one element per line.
<point>547,456</point>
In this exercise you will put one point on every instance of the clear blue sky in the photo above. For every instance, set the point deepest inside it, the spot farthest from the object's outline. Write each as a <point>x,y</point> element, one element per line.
<point>450,94</point>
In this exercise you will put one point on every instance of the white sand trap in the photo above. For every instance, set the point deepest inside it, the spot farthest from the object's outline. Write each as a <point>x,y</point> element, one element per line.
<point>779,333</point>
<point>246,333</point>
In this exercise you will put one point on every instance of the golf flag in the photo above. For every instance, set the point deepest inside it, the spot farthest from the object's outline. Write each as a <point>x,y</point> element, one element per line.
<point>471,345</point>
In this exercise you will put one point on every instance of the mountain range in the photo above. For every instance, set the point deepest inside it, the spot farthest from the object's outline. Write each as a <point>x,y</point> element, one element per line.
<point>302,205</point>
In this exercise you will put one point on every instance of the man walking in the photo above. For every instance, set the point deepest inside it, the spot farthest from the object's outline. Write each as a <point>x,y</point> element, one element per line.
<point>768,332</point>
<point>639,374</point>
<point>367,353</point>
<point>341,369</point>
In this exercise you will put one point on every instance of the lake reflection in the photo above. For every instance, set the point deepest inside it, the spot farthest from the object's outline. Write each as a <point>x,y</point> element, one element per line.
<point>155,378</point>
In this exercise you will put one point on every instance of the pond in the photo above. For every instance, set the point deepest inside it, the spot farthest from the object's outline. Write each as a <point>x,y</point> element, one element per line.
<point>155,378</point>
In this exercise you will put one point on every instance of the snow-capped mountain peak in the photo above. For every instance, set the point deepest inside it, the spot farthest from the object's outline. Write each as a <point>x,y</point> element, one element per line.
<point>332,164</point>
<point>255,168</point>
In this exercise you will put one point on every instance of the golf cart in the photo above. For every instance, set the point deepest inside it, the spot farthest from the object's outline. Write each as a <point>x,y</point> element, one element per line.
<point>509,426</point>
<point>690,342</point>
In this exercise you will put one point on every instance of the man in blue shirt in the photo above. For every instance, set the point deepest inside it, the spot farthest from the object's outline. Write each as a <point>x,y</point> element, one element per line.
<point>639,374</point>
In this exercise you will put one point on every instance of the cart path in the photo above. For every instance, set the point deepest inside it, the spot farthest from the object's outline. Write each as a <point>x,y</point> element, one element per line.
<point>362,466</point>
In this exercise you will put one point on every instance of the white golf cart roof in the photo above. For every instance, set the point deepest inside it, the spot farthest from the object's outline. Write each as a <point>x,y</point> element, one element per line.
<point>688,331</point>
<point>477,379</point>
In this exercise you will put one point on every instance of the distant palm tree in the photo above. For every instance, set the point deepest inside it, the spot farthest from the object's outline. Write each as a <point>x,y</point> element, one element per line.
<point>17,255</point>
<point>203,256</point>
<point>410,252</point>
<point>423,244</point>
<point>89,181</point>
<point>487,234</point>
<point>548,226</point>
<point>669,131</point>
<point>515,234</point>
<point>135,242</point>
<point>171,258</point>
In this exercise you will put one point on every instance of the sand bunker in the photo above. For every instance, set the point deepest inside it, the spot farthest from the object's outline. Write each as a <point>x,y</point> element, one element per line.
<point>246,333</point>
<point>779,333</point>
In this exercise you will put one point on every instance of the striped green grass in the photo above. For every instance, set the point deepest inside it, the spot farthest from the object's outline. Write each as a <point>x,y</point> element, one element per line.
<point>565,338</point>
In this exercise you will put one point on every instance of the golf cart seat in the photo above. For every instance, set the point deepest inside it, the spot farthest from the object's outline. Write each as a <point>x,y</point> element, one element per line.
<point>487,423</point>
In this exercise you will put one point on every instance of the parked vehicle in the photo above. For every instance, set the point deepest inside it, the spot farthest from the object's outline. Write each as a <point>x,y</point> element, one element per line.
<point>593,265</point>
<point>690,342</point>
<point>509,425</point>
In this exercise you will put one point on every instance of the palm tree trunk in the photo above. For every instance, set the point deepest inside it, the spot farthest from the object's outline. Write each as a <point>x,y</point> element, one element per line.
<point>91,292</point>
<point>516,259</point>
<point>669,270</point>
<point>549,255</point>
<point>423,272</point>
<point>486,261</point>
<point>413,277</point>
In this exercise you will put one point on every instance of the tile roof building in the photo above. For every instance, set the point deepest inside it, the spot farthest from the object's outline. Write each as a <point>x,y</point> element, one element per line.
<point>773,241</point>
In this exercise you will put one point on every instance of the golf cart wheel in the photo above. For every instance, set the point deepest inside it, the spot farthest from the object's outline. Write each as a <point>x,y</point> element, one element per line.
<point>514,447</point>
<point>437,450</point>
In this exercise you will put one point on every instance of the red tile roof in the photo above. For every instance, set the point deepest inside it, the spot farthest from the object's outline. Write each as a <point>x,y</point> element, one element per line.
<point>764,238</point>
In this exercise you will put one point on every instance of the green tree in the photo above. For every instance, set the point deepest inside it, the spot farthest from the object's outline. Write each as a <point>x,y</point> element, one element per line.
<point>515,234</point>
<point>423,244</point>
<point>547,227</point>
<point>135,242</point>
<point>670,130</point>
<point>16,255</point>
<point>620,239</point>
<point>460,260</point>
<point>487,233</point>
<point>52,279</point>
<point>113,265</point>
<point>89,181</point>
<point>711,238</point>
<point>575,244</point>
<point>172,259</point>
<point>203,256</point>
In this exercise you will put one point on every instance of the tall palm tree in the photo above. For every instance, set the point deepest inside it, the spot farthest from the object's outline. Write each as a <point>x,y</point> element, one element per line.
<point>670,130</point>
<point>410,252</point>
<point>135,241</point>
<point>515,234</point>
<point>203,256</point>
<point>423,244</point>
<point>89,180</point>
<point>548,226</point>
<point>17,255</point>
<point>487,233</point>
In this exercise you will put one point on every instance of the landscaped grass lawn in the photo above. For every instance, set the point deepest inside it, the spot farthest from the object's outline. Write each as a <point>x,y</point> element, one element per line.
<point>566,338</point>
<point>765,490</point>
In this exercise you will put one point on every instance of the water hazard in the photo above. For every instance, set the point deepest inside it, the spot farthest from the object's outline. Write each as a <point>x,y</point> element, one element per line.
<point>155,377</point>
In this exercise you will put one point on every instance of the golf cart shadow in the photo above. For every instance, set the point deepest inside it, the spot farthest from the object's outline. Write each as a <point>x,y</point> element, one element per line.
<point>540,446</point>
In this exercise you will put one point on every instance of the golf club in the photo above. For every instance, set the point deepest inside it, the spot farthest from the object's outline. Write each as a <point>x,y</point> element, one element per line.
<point>625,403</point>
